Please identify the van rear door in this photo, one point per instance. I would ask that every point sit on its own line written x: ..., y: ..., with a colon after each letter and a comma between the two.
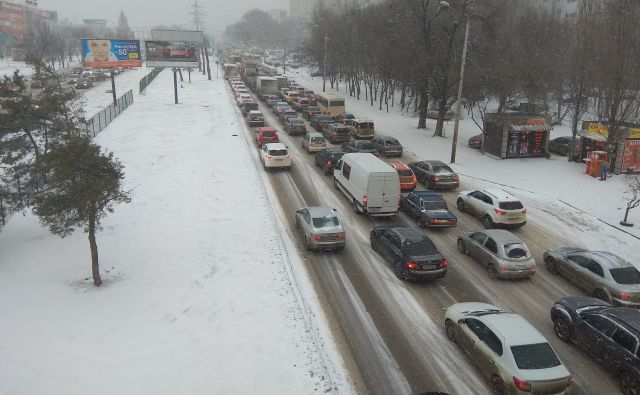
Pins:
x: 391, y: 192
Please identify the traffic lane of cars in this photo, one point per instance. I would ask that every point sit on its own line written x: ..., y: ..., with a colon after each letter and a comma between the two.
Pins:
x: 374, y: 283
x: 540, y: 318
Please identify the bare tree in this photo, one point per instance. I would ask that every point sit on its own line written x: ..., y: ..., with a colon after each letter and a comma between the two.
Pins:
x: 122, y: 28
x: 633, y: 198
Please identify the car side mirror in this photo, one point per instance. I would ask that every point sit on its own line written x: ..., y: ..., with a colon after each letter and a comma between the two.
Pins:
x: 334, y: 210
x: 462, y: 321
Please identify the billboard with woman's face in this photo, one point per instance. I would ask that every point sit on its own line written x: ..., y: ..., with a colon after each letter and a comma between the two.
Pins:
x: 102, y: 53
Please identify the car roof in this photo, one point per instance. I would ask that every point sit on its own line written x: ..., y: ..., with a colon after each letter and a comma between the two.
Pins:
x: 409, y: 233
x: 500, y: 194
x: 255, y: 112
x: 514, y: 329
x: 384, y: 137
x: 436, y: 163
x: 399, y: 165
x: 334, y: 150
x: 626, y: 315
x: 609, y: 260
x: 317, y: 211
x: 428, y: 195
x: 362, y: 120
x: 271, y: 146
x: 315, y: 134
x: 264, y: 128
x: 501, y: 235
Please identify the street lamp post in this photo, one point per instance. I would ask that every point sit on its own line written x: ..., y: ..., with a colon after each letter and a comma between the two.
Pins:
x: 454, y: 143
x: 324, y: 66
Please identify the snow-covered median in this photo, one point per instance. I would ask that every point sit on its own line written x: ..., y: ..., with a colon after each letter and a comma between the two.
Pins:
x: 197, y: 299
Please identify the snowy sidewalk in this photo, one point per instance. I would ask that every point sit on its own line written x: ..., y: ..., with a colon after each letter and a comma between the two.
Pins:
x: 197, y: 296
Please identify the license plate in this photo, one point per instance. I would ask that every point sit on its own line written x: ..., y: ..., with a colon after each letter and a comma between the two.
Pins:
x: 429, y: 267
x: 374, y: 208
x: 278, y: 159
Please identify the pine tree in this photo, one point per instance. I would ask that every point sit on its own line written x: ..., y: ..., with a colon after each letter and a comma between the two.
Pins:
x: 83, y: 185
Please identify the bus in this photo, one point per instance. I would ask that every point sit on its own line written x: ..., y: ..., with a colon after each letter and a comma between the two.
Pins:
x: 230, y: 70
x: 330, y: 103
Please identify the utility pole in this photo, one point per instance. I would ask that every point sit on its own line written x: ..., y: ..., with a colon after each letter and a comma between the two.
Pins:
x: 454, y: 143
x: 324, y: 66
x: 197, y: 20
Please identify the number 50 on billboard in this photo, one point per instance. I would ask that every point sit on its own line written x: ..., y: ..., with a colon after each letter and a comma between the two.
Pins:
x: 99, y: 53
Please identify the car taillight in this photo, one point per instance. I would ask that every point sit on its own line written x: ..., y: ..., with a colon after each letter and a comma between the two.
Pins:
x: 570, y: 380
x: 521, y: 384
x: 533, y: 266
x: 333, y: 134
x: 436, y: 179
x: 444, y: 263
x: 503, y: 268
x: 432, y: 221
x: 268, y: 156
x: 365, y: 201
x: 329, y: 163
x: 456, y: 178
x: 341, y: 236
x: 316, y: 237
x: 624, y: 296
x: 376, y: 153
x: 412, y: 265
x: 524, y: 211
x: 499, y: 212
x: 399, y: 196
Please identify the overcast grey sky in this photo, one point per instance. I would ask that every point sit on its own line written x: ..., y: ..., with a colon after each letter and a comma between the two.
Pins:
x: 149, y: 13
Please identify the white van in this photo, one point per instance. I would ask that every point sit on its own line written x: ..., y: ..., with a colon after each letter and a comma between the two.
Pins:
x: 369, y: 182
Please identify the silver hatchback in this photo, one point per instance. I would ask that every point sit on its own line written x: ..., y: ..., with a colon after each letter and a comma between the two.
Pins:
x: 504, y: 255
x: 320, y: 228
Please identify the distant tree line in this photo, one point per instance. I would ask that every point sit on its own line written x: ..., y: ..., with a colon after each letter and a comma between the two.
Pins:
x: 516, y: 52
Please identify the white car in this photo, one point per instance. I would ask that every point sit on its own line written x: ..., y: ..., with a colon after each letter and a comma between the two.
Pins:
x: 512, y: 355
x: 243, y: 99
x: 493, y: 207
x: 275, y: 155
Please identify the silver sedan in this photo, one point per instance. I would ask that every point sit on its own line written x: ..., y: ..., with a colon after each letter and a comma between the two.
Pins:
x: 504, y: 255
x: 320, y: 228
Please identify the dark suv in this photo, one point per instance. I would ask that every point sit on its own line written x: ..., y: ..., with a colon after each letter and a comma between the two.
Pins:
x: 609, y: 334
x: 336, y: 133
x: 388, y: 146
x: 327, y: 158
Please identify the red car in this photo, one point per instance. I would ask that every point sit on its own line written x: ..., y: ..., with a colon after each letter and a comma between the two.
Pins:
x: 266, y: 135
x: 408, y: 181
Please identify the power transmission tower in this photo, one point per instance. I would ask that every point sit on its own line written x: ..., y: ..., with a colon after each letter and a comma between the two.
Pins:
x: 197, y: 15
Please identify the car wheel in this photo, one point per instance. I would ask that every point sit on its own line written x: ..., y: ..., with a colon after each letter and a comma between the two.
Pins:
x: 421, y: 223
x: 461, y: 246
x: 450, y: 330
x: 487, y: 222
x: 493, y: 271
x: 397, y: 270
x: 461, y: 205
x: 629, y: 384
x: 335, y: 183
x: 326, y: 170
x: 374, y: 245
x: 600, y: 294
x: 306, y: 243
x: 550, y: 263
x: 562, y: 328
x: 497, y: 386
x: 355, y: 207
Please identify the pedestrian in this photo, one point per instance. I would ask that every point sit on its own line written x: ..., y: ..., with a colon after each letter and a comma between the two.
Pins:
x: 604, y: 168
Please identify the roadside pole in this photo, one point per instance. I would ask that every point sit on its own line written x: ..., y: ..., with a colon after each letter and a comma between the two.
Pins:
x: 175, y: 84
x: 206, y: 57
x: 189, y: 71
x: 113, y: 89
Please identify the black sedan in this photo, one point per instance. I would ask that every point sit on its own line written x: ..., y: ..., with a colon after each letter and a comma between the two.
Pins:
x: 608, y: 334
x: 429, y: 209
x: 362, y: 146
x: 411, y: 253
x: 327, y: 158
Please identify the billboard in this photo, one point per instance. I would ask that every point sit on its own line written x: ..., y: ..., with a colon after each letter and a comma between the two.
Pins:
x: 172, y: 54
x: 102, y: 53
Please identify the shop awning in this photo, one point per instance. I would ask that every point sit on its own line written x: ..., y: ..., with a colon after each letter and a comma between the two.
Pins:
x: 534, y: 128
x: 592, y: 136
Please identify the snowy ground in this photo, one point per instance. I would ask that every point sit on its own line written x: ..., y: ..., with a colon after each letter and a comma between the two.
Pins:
x: 561, y: 187
x: 198, y: 297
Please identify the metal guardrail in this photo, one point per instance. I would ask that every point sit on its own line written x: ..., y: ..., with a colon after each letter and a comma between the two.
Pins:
x: 100, y: 121
x: 146, y: 80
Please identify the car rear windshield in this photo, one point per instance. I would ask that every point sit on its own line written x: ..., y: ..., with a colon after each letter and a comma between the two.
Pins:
x: 312, y: 109
x: 515, y: 205
x: 391, y: 142
x: 364, y: 125
x: 418, y: 248
x: 344, y: 130
x: 405, y: 173
x: 268, y: 134
x: 434, y: 205
x: 442, y: 169
x: 324, y: 118
x: 535, y: 356
x: 366, y: 145
x: 336, y: 155
x: 325, y: 222
x: 251, y: 106
x: 515, y: 250
x: 317, y: 140
x: 296, y: 121
x: 278, y: 152
x: 625, y: 275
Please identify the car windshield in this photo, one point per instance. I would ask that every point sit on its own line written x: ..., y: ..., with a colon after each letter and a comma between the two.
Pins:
x: 278, y: 152
x: 418, y: 248
x: 296, y: 121
x: 442, y: 169
x: 516, y: 205
x: 625, y: 275
x: 405, y: 173
x: 323, y: 222
x: 535, y: 356
x: 434, y: 205
x: 515, y: 250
